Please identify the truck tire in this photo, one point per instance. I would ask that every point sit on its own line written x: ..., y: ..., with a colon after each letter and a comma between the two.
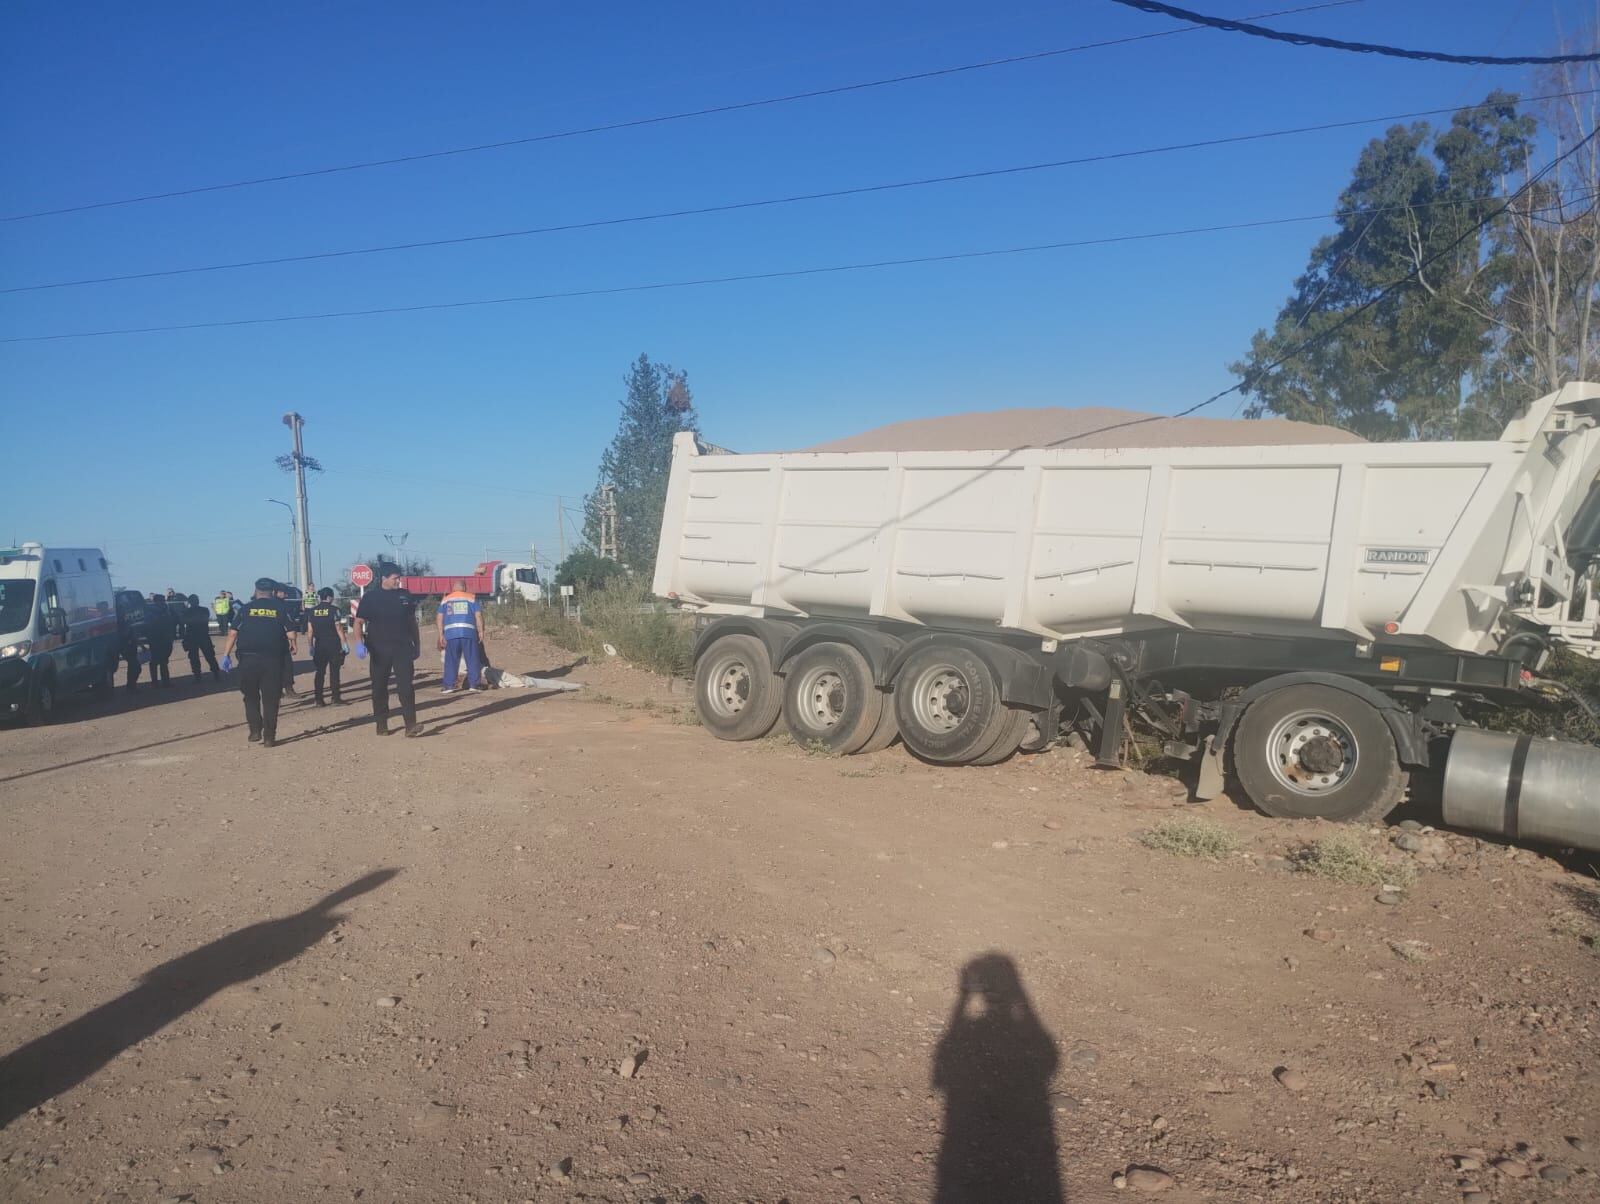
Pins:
x: 1010, y: 738
x: 888, y: 731
x: 829, y: 698
x: 736, y: 693
x: 41, y: 705
x: 1315, y: 752
x: 947, y: 703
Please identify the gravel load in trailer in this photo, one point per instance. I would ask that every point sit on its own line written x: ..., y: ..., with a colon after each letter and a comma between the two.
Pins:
x: 1319, y: 617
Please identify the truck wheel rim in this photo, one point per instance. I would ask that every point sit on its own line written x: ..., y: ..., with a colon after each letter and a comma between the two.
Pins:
x: 730, y: 686
x: 1311, y: 753
x: 822, y: 697
x: 939, y: 698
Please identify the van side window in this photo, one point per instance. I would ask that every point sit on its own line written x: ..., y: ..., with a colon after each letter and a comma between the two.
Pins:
x: 48, y: 599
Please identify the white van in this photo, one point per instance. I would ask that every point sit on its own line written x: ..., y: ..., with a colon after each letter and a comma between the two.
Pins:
x: 58, y: 627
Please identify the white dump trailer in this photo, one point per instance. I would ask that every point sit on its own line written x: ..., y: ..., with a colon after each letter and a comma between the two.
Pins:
x: 1320, y: 618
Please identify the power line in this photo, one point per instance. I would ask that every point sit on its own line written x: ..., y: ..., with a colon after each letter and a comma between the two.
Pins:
x: 701, y: 282
x: 1306, y: 39
x: 635, y: 123
x: 1321, y: 336
x: 771, y: 202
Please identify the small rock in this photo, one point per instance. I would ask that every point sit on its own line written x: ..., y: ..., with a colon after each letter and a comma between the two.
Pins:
x: 1323, y: 935
x: 638, y: 1178
x: 1554, y: 1174
x: 1148, y: 1179
x: 1408, y: 842
x: 1292, y: 962
x: 1578, y: 1144
x: 1389, y: 896
x: 823, y: 956
x: 1410, y: 825
x: 561, y: 1171
x: 1159, y: 1124
x: 1000, y: 844
x: 387, y: 1001
x: 1466, y: 1163
x: 1053, y: 824
x: 629, y: 1066
x: 1214, y: 1087
x: 1119, y: 1181
x: 1512, y: 1168
x: 430, y: 827
x: 1277, y: 865
x: 1440, y: 1089
x: 1290, y: 1078
x: 1084, y: 1056
x: 1474, y: 1196
x: 837, y: 1172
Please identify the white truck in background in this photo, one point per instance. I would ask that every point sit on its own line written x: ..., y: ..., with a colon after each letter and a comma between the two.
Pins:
x: 1321, y: 620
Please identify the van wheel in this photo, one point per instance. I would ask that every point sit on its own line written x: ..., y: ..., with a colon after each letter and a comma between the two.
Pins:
x: 947, y: 702
x: 736, y: 693
x: 1314, y: 752
x: 829, y: 698
x: 41, y: 705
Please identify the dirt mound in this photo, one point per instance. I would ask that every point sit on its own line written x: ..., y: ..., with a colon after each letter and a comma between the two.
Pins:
x: 1093, y: 426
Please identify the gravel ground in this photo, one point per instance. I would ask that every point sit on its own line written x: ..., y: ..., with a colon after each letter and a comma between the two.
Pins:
x: 569, y: 947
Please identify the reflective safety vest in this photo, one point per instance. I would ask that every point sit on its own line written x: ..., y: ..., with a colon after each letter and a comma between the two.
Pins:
x: 222, y: 605
x: 458, y: 611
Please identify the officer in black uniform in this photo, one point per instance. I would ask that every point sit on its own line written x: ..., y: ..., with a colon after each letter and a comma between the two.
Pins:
x: 162, y: 630
x: 386, y: 623
x: 327, y: 643
x: 197, y: 639
x: 262, y: 640
x: 293, y: 624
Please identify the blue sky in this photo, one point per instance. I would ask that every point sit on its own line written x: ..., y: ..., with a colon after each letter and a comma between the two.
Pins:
x: 462, y: 427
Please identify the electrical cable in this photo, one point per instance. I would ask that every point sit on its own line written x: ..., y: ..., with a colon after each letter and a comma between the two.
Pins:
x: 704, y: 281
x: 771, y: 202
x: 635, y: 123
x: 1306, y: 39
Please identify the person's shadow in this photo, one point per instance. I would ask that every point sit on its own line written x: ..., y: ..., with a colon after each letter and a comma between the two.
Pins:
x: 994, y: 1065
x: 65, y: 1057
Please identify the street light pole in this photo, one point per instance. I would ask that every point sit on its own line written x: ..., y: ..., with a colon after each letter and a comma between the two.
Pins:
x: 294, y: 533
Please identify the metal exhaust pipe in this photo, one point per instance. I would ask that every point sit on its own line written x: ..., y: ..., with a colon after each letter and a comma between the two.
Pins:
x: 1524, y: 788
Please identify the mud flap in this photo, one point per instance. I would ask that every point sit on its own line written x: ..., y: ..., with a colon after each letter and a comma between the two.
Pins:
x: 1210, y: 783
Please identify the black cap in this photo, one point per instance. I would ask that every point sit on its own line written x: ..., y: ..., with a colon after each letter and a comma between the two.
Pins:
x: 266, y: 584
x: 325, y: 593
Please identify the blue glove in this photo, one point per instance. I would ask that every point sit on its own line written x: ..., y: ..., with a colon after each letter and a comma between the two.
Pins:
x: 361, y: 651
x: 227, y: 664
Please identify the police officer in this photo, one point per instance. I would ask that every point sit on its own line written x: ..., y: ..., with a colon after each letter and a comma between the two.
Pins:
x: 130, y: 632
x: 162, y: 630
x: 262, y: 641
x: 387, y: 621
x: 197, y: 639
x: 327, y: 643
x: 293, y: 625
x: 222, y: 607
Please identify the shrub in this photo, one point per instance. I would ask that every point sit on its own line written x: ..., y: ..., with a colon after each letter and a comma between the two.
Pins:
x: 617, y: 614
x: 1191, y: 836
x: 1347, y: 859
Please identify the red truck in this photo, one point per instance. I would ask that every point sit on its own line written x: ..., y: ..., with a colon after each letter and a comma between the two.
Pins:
x: 487, y: 580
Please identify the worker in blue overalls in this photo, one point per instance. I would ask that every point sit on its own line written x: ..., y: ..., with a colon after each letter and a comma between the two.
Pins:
x: 460, y: 623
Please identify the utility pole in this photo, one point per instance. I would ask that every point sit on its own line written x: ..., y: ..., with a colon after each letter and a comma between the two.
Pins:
x: 561, y: 527
x: 608, y: 522
x: 294, y: 422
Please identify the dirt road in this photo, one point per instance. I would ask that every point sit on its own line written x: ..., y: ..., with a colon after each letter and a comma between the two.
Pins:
x: 568, y: 947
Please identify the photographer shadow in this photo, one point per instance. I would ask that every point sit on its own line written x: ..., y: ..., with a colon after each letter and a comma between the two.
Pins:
x: 994, y: 1065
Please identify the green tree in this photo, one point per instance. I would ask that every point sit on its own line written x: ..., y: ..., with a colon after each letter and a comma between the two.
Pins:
x: 1404, y: 366
x: 657, y: 406
x: 588, y: 570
